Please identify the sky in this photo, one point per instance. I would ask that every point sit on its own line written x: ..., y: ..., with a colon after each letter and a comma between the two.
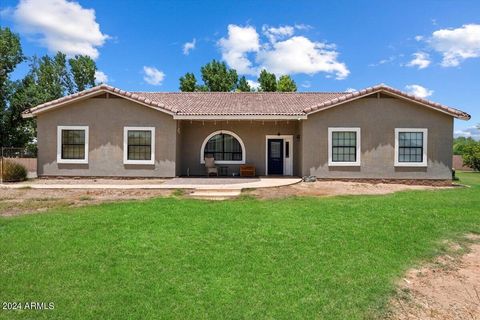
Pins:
x: 428, y: 48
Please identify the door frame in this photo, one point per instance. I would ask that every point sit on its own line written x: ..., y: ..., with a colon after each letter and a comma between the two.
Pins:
x: 287, y: 162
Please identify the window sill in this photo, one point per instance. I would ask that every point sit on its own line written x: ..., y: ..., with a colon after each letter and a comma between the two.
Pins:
x: 139, y: 162
x: 344, y: 164
x: 72, y: 161
x: 226, y: 162
x: 411, y: 164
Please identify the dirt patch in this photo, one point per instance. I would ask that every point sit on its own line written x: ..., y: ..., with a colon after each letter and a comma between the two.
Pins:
x: 334, y: 188
x: 28, y: 200
x: 448, y: 288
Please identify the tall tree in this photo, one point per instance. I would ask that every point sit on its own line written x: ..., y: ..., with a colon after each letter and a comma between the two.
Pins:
x: 83, y: 70
x: 243, y: 85
x: 268, y: 81
x: 286, y: 84
x: 10, y: 56
x: 188, y: 83
x: 218, y: 78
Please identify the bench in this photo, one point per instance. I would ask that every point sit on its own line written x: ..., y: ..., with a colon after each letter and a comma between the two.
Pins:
x: 247, y: 170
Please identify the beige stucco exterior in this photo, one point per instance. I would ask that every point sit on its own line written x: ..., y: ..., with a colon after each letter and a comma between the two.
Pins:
x: 377, y: 119
x: 252, y: 133
x: 106, y: 119
x: 178, y: 142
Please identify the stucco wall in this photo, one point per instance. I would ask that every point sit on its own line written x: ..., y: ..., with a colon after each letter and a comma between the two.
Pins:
x: 378, y: 118
x: 106, y: 119
x: 252, y: 134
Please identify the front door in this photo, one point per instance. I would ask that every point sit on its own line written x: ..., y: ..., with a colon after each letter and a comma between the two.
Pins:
x: 275, y: 156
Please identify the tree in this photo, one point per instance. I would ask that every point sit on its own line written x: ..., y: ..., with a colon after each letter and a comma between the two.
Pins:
x: 286, y: 84
x: 471, y: 156
x: 188, y: 83
x: 460, y: 144
x: 243, y: 85
x: 10, y: 56
x: 268, y: 81
x: 83, y: 70
x: 218, y: 78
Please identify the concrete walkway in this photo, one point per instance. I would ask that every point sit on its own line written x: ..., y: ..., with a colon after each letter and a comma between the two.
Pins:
x: 212, y: 184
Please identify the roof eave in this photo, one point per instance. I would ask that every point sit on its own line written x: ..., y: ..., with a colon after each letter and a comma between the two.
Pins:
x: 239, y: 117
x: 385, y: 89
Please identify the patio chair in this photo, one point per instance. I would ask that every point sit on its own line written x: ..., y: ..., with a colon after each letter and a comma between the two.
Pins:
x: 210, y: 166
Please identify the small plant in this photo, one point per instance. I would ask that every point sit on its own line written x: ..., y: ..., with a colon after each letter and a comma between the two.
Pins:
x: 178, y: 193
x: 13, y: 172
x: 85, y: 198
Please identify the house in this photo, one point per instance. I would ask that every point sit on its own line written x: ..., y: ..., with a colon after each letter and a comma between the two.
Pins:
x: 375, y: 133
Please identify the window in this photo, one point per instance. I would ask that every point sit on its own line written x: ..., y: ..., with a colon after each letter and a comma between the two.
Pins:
x: 343, y: 146
x: 72, y: 144
x: 410, y: 147
x: 225, y: 147
x: 139, y: 145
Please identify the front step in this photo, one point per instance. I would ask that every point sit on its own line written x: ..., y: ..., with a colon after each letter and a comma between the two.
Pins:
x: 214, y: 194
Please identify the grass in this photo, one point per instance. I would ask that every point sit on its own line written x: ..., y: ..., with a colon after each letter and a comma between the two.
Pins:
x: 172, y: 258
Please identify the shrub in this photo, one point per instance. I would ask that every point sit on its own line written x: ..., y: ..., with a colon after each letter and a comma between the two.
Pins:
x: 13, y: 171
x: 471, y: 156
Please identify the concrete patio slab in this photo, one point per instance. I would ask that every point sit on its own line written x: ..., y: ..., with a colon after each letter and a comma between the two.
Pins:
x: 175, y: 183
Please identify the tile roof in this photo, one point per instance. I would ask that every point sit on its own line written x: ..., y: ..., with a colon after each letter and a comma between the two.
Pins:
x: 197, y: 104
x: 240, y: 103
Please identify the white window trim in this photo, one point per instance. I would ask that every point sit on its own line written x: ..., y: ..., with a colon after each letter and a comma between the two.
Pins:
x: 125, y: 145
x: 59, y: 144
x: 204, y: 144
x: 332, y: 163
x: 425, y: 142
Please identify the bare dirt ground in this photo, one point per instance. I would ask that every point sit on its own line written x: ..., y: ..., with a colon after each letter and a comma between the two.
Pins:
x: 334, y: 188
x: 447, y: 288
x: 27, y: 200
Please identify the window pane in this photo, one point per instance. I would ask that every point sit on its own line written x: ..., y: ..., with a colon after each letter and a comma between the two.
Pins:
x: 344, y: 145
x: 139, y: 145
x: 73, y: 144
x: 410, y: 146
x: 223, y: 147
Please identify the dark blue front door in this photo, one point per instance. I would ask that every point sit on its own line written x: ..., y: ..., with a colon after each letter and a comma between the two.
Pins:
x: 275, y: 156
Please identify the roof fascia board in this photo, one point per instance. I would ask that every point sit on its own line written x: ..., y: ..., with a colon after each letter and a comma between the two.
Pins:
x: 89, y: 95
x: 393, y: 94
x: 239, y: 117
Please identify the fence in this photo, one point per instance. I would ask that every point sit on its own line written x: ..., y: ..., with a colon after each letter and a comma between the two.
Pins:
x: 23, y: 156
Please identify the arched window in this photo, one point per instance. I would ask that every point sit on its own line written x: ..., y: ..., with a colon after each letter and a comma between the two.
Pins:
x: 225, y: 147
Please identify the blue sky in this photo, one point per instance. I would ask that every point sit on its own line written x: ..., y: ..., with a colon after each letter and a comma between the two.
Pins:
x: 431, y: 48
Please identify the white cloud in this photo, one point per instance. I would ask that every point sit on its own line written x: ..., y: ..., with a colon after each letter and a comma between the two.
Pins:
x: 100, y: 77
x: 472, y: 132
x: 456, y: 45
x: 306, y: 84
x: 153, y: 76
x: 418, y: 90
x: 383, y: 61
x: 420, y: 60
x: 253, y: 84
x: 299, y: 54
x: 275, y: 33
x: 60, y: 25
x: 293, y: 54
x: 418, y: 38
x: 240, y: 41
x: 188, y: 46
x: 350, y: 90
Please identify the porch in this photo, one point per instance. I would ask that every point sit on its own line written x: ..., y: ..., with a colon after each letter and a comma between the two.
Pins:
x: 271, y: 146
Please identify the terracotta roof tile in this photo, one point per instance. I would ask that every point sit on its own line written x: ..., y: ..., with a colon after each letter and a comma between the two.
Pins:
x: 245, y: 104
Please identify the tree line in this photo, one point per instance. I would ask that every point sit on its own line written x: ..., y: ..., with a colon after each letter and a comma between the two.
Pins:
x: 217, y: 77
x: 48, y: 78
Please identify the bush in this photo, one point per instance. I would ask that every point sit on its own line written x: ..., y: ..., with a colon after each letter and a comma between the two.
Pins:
x: 13, y: 171
x: 471, y: 156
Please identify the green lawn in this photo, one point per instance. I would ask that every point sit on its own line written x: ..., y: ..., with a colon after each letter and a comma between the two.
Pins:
x: 330, y: 258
